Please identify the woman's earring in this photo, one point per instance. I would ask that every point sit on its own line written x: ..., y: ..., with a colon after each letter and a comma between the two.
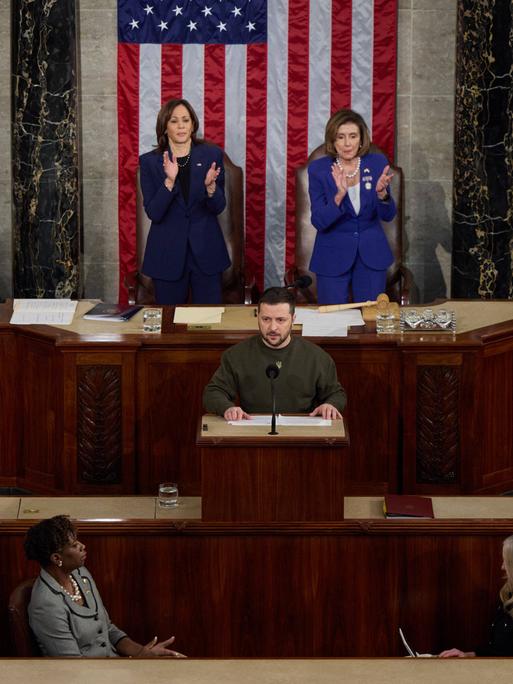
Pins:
x: 59, y: 563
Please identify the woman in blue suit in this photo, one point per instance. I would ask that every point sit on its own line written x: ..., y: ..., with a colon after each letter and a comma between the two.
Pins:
x: 182, y: 182
x: 350, y: 196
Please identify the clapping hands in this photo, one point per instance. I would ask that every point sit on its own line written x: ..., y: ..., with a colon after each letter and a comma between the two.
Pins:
x: 170, y: 166
x: 211, y: 177
x: 384, y: 182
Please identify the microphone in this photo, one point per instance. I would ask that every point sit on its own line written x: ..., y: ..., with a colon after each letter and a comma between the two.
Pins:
x: 301, y: 283
x: 272, y: 371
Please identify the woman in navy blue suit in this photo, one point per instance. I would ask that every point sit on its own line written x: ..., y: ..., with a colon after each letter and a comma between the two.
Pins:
x: 350, y: 196
x: 182, y: 182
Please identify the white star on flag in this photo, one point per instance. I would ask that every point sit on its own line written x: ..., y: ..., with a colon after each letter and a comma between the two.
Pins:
x: 177, y: 10
x: 192, y: 26
x: 236, y: 12
x: 206, y: 11
x: 148, y: 9
x: 134, y: 24
x: 221, y: 26
x: 250, y: 26
x: 162, y: 25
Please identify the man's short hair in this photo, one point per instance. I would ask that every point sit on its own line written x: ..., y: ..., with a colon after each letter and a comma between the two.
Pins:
x: 278, y: 295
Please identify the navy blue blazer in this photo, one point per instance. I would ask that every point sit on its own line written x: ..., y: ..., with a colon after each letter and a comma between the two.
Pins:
x: 341, y: 234
x: 175, y: 223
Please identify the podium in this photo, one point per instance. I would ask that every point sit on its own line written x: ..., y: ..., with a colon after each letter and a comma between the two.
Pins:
x: 248, y: 475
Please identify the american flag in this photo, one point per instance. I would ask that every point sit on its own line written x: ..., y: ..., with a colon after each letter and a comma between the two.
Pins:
x: 263, y: 76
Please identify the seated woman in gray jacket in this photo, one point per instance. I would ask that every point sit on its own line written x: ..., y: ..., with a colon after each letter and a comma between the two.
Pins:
x: 66, y: 612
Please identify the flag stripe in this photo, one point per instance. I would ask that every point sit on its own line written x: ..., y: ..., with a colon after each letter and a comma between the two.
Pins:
x: 341, y: 45
x: 297, y: 115
x: 149, y: 94
x: 214, y: 93
x: 255, y: 158
x: 276, y: 152
x: 235, y: 104
x: 385, y: 75
x: 362, y: 59
x: 319, y: 100
x: 171, y: 72
x: 128, y: 143
x: 193, y: 80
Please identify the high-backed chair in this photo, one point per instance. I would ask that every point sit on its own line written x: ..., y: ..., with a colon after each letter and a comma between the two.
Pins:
x: 399, y: 278
x: 23, y: 639
x: 236, y: 288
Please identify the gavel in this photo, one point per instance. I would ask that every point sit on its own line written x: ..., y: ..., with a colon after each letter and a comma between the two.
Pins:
x: 382, y: 301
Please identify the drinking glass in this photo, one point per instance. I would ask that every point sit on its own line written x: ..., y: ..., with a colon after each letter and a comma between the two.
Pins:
x: 168, y: 494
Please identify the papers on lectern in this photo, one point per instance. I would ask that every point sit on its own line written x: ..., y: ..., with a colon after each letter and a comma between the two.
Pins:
x: 295, y: 421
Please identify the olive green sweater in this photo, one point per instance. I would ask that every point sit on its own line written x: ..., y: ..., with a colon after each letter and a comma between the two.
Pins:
x: 307, y: 378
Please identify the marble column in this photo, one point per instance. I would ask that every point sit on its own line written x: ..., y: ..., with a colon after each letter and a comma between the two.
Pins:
x: 483, y: 177
x: 45, y: 152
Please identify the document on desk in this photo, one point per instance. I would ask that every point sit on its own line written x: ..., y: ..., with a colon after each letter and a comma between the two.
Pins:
x: 43, y: 311
x: 291, y: 421
x: 334, y: 324
x: 198, y: 315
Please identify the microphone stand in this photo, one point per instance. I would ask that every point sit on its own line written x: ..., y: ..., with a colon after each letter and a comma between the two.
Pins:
x: 273, y: 417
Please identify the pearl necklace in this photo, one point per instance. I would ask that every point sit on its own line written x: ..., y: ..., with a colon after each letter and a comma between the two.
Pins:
x: 353, y: 173
x: 182, y: 166
x: 76, y: 596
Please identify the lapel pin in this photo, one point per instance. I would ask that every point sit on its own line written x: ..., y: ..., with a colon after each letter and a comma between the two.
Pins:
x: 198, y: 163
x: 366, y: 170
x: 368, y: 186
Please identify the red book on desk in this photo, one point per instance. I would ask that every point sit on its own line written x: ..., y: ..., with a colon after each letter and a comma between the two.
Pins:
x: 407, y: 506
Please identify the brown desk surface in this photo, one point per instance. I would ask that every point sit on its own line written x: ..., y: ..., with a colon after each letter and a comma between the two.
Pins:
x: 470, y: 315
x: 111, y: 509
x: 246, y: 671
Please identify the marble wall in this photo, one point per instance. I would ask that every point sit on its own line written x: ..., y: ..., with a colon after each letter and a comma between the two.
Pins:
x: 483, y: 151
x: 5, y: 152
x: 45, y: 154
x: 426, y: 48
x: 425, y: 125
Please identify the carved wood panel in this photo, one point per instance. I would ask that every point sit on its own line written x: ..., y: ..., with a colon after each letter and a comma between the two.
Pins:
x: 99, y: 444
x: 438, y: 429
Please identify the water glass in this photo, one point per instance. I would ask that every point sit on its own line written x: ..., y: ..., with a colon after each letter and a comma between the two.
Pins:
x: 168, y: 494
x: 152, y: 320
x: 385, y: 321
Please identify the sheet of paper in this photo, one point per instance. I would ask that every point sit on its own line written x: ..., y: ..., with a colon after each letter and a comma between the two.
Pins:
x: 296, y: 421
x: 334, y: 324
x: 43, y: 311
x: 198, y: 314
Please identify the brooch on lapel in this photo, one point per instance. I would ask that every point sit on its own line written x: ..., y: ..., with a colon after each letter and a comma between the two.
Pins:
x: 367, y: 180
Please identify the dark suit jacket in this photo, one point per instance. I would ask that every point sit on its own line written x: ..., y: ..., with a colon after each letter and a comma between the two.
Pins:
x: 176, y: 224
x: 341, y: 234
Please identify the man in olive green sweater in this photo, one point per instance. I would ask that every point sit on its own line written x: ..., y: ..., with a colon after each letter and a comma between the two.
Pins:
x: 307, y: 380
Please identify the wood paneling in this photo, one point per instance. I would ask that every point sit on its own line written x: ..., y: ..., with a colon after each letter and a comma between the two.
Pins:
x: 9, y: 409
x: 118, y: 413
x: 296, y: 590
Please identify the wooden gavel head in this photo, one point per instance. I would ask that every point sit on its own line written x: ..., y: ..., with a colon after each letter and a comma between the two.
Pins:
x: 382, y: 301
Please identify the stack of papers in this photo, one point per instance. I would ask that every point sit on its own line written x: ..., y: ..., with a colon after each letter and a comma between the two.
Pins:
x: 43, y: 311
x: 334, y: 324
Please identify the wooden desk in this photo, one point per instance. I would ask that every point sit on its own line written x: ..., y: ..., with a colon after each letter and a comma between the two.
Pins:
x: 83, y: 411
x: 286, y: 589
